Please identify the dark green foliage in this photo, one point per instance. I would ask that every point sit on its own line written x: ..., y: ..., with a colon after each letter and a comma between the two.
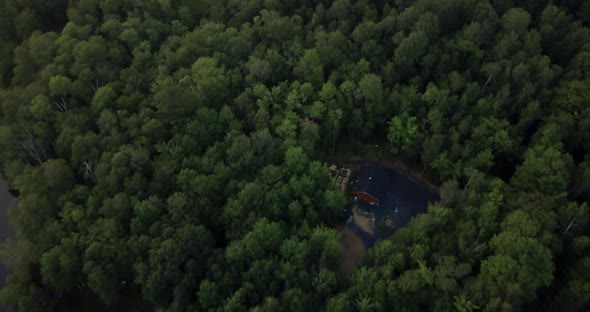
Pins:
x: 179, y: 148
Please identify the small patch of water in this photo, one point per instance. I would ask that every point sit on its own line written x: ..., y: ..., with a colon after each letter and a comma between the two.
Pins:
x: 399, y: 197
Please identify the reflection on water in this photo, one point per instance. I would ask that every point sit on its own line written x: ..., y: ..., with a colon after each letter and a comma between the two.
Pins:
x: 6, y: 229
x: 387, y: 200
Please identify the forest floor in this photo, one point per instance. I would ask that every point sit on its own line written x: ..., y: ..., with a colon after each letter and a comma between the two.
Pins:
x: 352, y: 248
x: 363, y: 221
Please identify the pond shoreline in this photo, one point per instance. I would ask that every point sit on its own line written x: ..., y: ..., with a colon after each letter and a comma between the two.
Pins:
x: 355, y: 239
x: 396, y: 165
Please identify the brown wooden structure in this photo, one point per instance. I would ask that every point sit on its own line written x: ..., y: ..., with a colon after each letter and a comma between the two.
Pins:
x: 366, y: 197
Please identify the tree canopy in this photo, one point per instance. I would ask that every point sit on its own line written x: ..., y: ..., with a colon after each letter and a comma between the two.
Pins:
x: 180, y: 149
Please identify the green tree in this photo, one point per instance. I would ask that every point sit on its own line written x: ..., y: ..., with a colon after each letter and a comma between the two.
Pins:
x: 334, y: 125
x: 545, y: 169
x: 177, y: 149
x: 403, y: 135
x: 371, y: 92
x: 172, y: 262
x: 411, y: 48
x: 309, y: 68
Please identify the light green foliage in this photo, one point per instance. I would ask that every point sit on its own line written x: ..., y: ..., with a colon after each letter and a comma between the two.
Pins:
x: 403, y: 135
x: 104, y: 98
x: 521, y: 264
x: 371, y: 90
x: 545, y: 169
x: 59, y: 85
x: 339, y: 303
x: 309, y: 68
x: 40, y: 107
x: 325, y: 282
x: 209, y: 82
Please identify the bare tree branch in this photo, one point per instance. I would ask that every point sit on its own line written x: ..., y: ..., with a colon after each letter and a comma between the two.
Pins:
x: 29, y: 145
x: 488, y: 81
x: 572, y: 224
x: 89, y: 171
x: 467, y: 184
x: 62, y: 106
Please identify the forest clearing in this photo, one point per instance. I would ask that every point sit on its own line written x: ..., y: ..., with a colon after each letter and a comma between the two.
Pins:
x: 353, y: 249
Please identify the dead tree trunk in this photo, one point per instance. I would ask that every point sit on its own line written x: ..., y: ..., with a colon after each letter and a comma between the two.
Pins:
x: 89, y: 170
x: 467, y: 184
x: 488, y: 81
x: 32, y: 149
x: 63, y: 106
x: 572, y: 224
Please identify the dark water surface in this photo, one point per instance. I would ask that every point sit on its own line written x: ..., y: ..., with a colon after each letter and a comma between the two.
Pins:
x: 400, y: 198
x: 6, y: 229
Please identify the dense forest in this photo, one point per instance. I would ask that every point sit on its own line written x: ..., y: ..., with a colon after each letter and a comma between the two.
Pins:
x: 180, y: 149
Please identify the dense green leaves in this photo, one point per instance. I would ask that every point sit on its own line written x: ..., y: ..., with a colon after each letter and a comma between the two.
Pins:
x: 403, y: 135
x: 544, y: 170
x: 179, y: 150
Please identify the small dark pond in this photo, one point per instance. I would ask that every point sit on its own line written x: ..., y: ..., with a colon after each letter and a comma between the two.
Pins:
x: 399, y: 199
